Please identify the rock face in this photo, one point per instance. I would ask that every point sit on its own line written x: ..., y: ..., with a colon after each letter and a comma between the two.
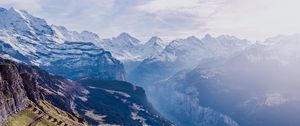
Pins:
x: 20, y: 83
x: 57, y: 50
x: 12, y: 93
x: 117, y: 102
x: 31, y: 87
x: 98, y: 101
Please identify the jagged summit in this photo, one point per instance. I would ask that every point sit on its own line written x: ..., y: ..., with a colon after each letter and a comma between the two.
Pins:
x: 124, y: 39
x: 62, y: 34
x: 23, y: 23
x: 155, y: 41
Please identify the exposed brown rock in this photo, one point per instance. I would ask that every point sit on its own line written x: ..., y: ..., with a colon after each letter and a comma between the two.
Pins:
x: 12, y: 93
x: 31, y: 87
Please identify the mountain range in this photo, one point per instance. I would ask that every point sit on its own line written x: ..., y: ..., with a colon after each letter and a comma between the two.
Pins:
x: 48, y: 71
x: 52, y: 76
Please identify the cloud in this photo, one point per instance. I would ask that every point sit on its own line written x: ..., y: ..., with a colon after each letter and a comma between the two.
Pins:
x: 252, y: 19
x: 30, y: 5
x: 181, y: 17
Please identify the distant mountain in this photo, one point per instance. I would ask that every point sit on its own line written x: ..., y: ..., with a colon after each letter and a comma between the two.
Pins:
x: 124, y: 47
x: 63, y: 34
x: 129, y: 49
x: 186, y: 53
x: 257, y: 86
x: 33, y: 41
x: 153, y: 46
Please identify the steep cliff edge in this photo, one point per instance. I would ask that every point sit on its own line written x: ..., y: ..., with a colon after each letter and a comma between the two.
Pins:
x: 12, y: 93
x: 26, y: 97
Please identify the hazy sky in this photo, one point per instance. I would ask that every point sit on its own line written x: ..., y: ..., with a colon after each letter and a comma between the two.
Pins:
x: 169, y: 19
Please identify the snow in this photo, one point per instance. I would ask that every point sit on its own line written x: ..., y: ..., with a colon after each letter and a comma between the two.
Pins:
x: 195, y: 50
x: 135, y: 116
x: 63, y: 34
x: 274, y: 99
x: 6, y: 56
x: 92, y: 115
x: 83, y: 98
x: 118, y: 92
x: 23, y: 35
x: 137, y: 107
x: 112, y: 91
x: 129, y: 49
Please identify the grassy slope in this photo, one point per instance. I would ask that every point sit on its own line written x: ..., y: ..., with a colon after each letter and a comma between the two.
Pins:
x: 51, y: 116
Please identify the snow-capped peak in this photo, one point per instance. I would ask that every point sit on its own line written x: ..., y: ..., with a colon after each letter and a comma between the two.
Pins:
x: 64, y: 34
x: 155, y: 41
x: 208, y: 37
x: 89, y: 36
x: 192, y: 38
x: 125, y: 38
x: 23, y: 23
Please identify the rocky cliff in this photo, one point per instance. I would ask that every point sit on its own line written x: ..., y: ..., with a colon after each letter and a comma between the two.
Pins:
x: 12, y: 92
x: 94, y: 100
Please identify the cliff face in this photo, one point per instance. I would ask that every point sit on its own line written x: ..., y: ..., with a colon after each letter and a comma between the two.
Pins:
x: 12, y: 93
x: 118, y: 103
x: 20, y: 83
x: 31, y: 87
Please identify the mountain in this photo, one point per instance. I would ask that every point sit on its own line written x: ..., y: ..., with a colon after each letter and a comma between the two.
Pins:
x: 257, y: 86
x: 31, y: 95
x: 117, y: 102
x: 131, y: 51
x: 182, y: 101
x: 124, y: 47
x: 63, y: 34
x: 184, y: 54
x: 153, y: 46
x: 33, y: 41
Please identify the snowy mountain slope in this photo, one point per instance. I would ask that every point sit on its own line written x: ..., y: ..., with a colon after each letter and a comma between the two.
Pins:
x: 129, y: 49
x: 124, y: 47
x: 23, y: 23
x: 63, y: 34
x: 153, y: 46
x: 33, y: 41
x: 186, y: 53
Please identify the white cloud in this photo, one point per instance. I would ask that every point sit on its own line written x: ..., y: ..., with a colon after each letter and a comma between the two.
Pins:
x: 252, y: 19
x: 256, y: 19
x: 30, y: 5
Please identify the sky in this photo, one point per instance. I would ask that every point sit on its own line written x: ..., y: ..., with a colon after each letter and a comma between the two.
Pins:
x: 169, y: 19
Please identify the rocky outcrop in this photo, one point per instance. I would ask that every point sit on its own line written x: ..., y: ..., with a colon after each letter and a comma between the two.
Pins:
x: 31, y: 87
x: 12, y: 93
x: 20, y: 83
